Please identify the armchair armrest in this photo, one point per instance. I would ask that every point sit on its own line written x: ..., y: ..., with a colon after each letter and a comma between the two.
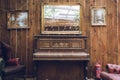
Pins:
x: 113, y: 68
x: 113, y: 72
x: 110, y: 68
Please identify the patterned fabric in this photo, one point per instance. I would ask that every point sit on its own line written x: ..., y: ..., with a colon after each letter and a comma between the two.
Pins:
x: 113, y: 68
x: 113, y: 72
x: 12, y: 62
x: 110, y: 76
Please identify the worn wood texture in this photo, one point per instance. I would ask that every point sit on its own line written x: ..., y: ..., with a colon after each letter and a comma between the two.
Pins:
x: 118, y: 31
x: 54, y: 70
x: 103, y: 40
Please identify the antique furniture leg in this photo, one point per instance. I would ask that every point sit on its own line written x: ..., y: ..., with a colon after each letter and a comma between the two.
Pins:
x: 85, y: 70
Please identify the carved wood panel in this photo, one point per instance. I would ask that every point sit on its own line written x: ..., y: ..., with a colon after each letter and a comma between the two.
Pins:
x: 60, y: 44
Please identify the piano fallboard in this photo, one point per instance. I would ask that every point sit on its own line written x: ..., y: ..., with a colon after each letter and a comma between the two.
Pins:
x: 61, y: 56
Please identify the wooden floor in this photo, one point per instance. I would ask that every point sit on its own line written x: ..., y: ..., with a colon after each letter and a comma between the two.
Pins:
x: 26, y: 79
x: 35, y: 79
x: 30, y: 79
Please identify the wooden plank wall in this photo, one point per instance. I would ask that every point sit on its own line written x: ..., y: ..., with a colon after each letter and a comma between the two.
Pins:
x: 103, y: 40
x: 118, y: 22
x: 3, y: 29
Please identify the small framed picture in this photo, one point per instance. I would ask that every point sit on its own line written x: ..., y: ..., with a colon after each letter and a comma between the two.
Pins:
x: 17, y: 19
x: 98, y: 16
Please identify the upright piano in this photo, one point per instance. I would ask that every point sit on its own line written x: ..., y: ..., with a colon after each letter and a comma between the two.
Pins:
x: 61, y: 57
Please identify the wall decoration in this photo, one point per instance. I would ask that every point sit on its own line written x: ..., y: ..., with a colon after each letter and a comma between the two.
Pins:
x: 61, y: 19
x: 98, y: 16
x: 17, y: 19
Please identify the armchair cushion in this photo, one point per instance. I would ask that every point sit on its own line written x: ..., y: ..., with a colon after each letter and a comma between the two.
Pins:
x: 113, y: 68
x: 13, y: 69
x: 117, y: 69
x: 9, y: 67
x: 112, y: 73
x: 110, y: 68
x: 110, y: 76
x: 12, y: 62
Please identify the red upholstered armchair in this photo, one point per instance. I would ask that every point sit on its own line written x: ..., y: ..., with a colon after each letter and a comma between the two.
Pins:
x: 112, y: 72
x: 9, y: 67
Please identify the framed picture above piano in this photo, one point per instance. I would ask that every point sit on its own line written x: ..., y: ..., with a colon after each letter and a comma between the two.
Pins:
x: 61, y: 19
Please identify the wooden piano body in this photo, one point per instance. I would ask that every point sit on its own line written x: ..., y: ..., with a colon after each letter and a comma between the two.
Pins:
x: 56, y: 53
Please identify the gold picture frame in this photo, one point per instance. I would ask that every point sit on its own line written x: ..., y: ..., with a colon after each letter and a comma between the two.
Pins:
x: 17, y: 20
x: 57, y: 20
x: 98, y: 16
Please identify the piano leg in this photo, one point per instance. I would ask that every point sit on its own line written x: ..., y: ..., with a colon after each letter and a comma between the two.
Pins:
x: 85, y: 70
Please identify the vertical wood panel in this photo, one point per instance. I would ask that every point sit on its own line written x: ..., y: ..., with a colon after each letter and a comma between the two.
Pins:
x: 118, y: 16
x: 104, y: 40
x: 30, y: 33
x: 111, y: 30
x: 23, y: 46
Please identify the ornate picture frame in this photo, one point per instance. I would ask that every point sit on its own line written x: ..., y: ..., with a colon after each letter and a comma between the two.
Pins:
x: 61, y: 19
x: 17, y: 19
x: 98, y: 16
